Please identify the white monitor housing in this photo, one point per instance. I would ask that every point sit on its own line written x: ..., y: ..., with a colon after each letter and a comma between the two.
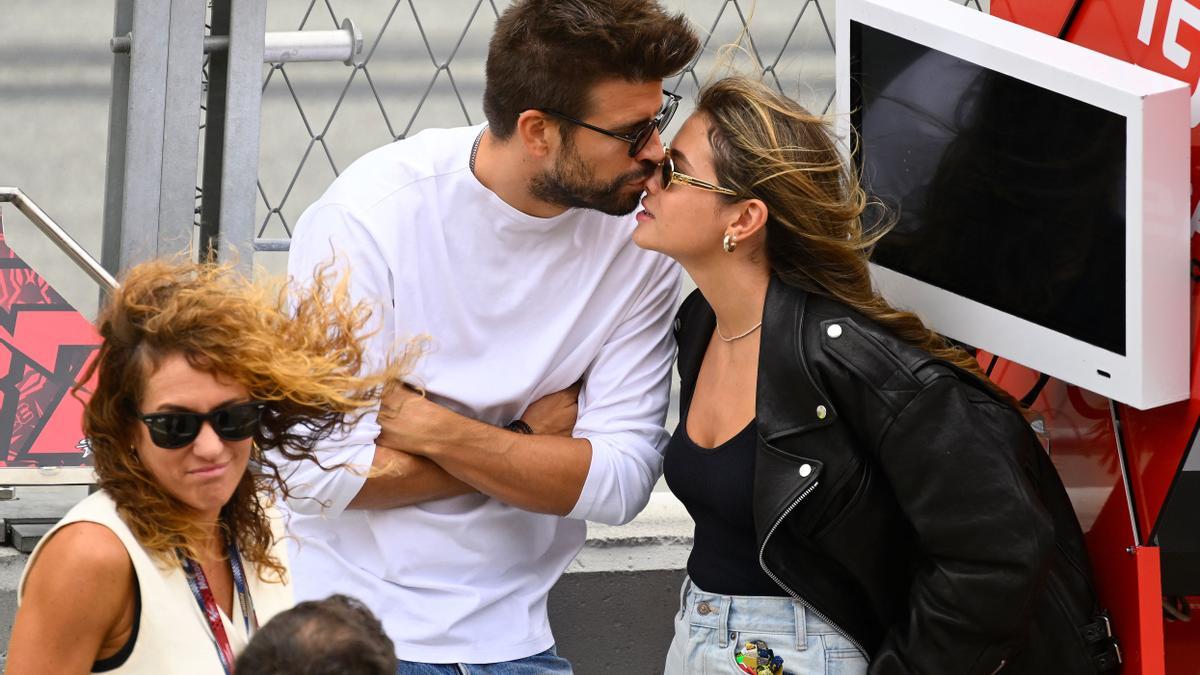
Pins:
x: 1039, y: 192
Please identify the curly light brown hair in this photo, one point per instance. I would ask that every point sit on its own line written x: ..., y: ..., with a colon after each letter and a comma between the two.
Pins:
x: 298, y: 350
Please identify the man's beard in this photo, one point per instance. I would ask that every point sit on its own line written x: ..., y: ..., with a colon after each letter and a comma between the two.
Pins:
x: 568, y: 183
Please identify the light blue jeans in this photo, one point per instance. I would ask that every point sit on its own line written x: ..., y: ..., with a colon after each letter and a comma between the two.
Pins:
x: 709, y: 630
x: 547, y: 662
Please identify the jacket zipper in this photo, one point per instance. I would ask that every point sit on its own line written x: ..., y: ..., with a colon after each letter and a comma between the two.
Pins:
x: 808, y: 607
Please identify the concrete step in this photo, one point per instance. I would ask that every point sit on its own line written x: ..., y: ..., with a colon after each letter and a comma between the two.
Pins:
x: 25, y: 535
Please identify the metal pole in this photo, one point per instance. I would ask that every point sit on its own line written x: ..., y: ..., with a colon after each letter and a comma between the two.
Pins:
x: 214, y: 136
x: 285, y: 46
x: 114, y: 180
x: 154, y: 131
x: 181, y: 128
x: 59, y: 236
x: 145, y: 125
x: 314, y: 45
x: 243, y: 111
x: 283, y: 245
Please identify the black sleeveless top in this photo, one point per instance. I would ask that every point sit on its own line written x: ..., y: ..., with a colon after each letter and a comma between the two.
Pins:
x: 716, y: 485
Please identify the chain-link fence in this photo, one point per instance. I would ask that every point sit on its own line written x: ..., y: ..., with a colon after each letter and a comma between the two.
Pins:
x: 423, y: 66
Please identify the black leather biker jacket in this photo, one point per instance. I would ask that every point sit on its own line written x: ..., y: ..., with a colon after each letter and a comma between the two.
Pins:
x: 902, y: 501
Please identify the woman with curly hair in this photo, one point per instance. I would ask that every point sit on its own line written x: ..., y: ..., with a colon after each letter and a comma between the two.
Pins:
x: 177, y: 559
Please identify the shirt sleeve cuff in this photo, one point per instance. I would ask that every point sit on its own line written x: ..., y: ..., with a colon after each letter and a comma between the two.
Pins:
x: 618, y: 483
x: 328, y: 491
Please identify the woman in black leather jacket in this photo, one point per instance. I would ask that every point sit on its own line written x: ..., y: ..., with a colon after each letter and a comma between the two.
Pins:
x: 865, y: 499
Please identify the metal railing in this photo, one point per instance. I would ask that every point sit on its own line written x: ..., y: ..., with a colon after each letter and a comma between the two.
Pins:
x: 58, y: 236
x: 284, y: 47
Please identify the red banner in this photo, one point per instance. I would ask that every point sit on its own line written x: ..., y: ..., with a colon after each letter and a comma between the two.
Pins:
x: 44, y: 345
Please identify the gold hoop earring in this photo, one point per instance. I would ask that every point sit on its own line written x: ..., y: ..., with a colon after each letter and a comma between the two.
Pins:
x: 729, y: 243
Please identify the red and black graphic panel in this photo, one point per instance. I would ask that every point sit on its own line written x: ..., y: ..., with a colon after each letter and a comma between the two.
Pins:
x: 44, y: 345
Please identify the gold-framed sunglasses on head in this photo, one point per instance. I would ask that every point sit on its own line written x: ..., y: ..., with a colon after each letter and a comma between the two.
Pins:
x: 670, y: 175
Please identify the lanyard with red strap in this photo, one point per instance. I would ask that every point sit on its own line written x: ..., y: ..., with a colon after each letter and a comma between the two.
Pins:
x: 208, y: 605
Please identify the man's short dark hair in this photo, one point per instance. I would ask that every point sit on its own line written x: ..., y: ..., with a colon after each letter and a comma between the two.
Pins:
x: 549, y: 54
x: 334, y: 636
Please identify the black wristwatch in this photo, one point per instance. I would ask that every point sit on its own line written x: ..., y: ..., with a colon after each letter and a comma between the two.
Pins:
x: 518, y: 426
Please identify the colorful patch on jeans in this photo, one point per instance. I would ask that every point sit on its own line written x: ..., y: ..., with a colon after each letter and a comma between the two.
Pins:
x: 756, y: 658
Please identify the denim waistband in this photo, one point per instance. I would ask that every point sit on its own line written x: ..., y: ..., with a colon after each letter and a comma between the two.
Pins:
x: 751, y: 614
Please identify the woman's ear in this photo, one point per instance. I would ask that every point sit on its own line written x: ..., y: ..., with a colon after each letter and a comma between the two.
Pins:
x: 536, y: 134
x: 750, y: 218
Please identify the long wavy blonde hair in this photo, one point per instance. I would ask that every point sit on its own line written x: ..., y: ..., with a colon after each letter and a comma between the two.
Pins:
x: 768, y: 146
x: 300, y: 351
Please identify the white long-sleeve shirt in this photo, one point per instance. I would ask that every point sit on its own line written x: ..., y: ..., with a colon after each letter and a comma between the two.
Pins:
x: 516, y: 307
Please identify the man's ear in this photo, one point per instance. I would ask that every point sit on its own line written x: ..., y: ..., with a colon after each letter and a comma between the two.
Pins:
x: 538, y: 134
x: 749, y: 220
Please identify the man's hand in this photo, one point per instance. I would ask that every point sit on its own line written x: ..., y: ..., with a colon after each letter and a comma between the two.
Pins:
x: 539, y: 472
x: 408, y: 421
x: 554, y: 414
x: 399, y: 476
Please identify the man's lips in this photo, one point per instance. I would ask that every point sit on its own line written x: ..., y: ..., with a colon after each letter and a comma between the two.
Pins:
x: 640, y: 179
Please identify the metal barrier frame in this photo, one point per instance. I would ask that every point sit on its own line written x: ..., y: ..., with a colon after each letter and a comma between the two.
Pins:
x: 161, y: 54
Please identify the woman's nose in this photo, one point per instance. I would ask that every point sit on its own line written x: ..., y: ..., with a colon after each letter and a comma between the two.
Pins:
x: 208, y: 444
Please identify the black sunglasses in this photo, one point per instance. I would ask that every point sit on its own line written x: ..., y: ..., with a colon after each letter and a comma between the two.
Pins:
x: 636, y: 140
x: 173, y: 430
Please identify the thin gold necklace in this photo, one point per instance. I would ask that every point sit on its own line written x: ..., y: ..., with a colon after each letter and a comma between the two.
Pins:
x: 738, y: 337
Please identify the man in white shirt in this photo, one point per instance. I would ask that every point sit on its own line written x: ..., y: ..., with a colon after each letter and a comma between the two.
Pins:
x: 508, y: 245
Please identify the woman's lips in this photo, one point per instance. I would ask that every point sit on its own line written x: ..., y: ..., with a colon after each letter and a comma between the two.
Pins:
x: 210, y: 471
x: 645, y: 212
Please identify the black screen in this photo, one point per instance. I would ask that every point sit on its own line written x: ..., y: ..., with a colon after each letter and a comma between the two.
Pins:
x: 997, y: 190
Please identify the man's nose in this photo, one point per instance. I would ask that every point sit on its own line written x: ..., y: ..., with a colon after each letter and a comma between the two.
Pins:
x: 653, y: 150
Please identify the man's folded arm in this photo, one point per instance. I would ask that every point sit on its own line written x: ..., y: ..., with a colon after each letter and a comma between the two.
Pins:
x: 353, y: 472
x: 607, y: 471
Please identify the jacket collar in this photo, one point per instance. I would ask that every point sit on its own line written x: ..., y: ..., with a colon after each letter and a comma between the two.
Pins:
x: 694, y: 330
x: 788, y: 399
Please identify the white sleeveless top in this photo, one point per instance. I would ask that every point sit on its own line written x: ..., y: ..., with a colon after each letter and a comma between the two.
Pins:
x: 172, y: 634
